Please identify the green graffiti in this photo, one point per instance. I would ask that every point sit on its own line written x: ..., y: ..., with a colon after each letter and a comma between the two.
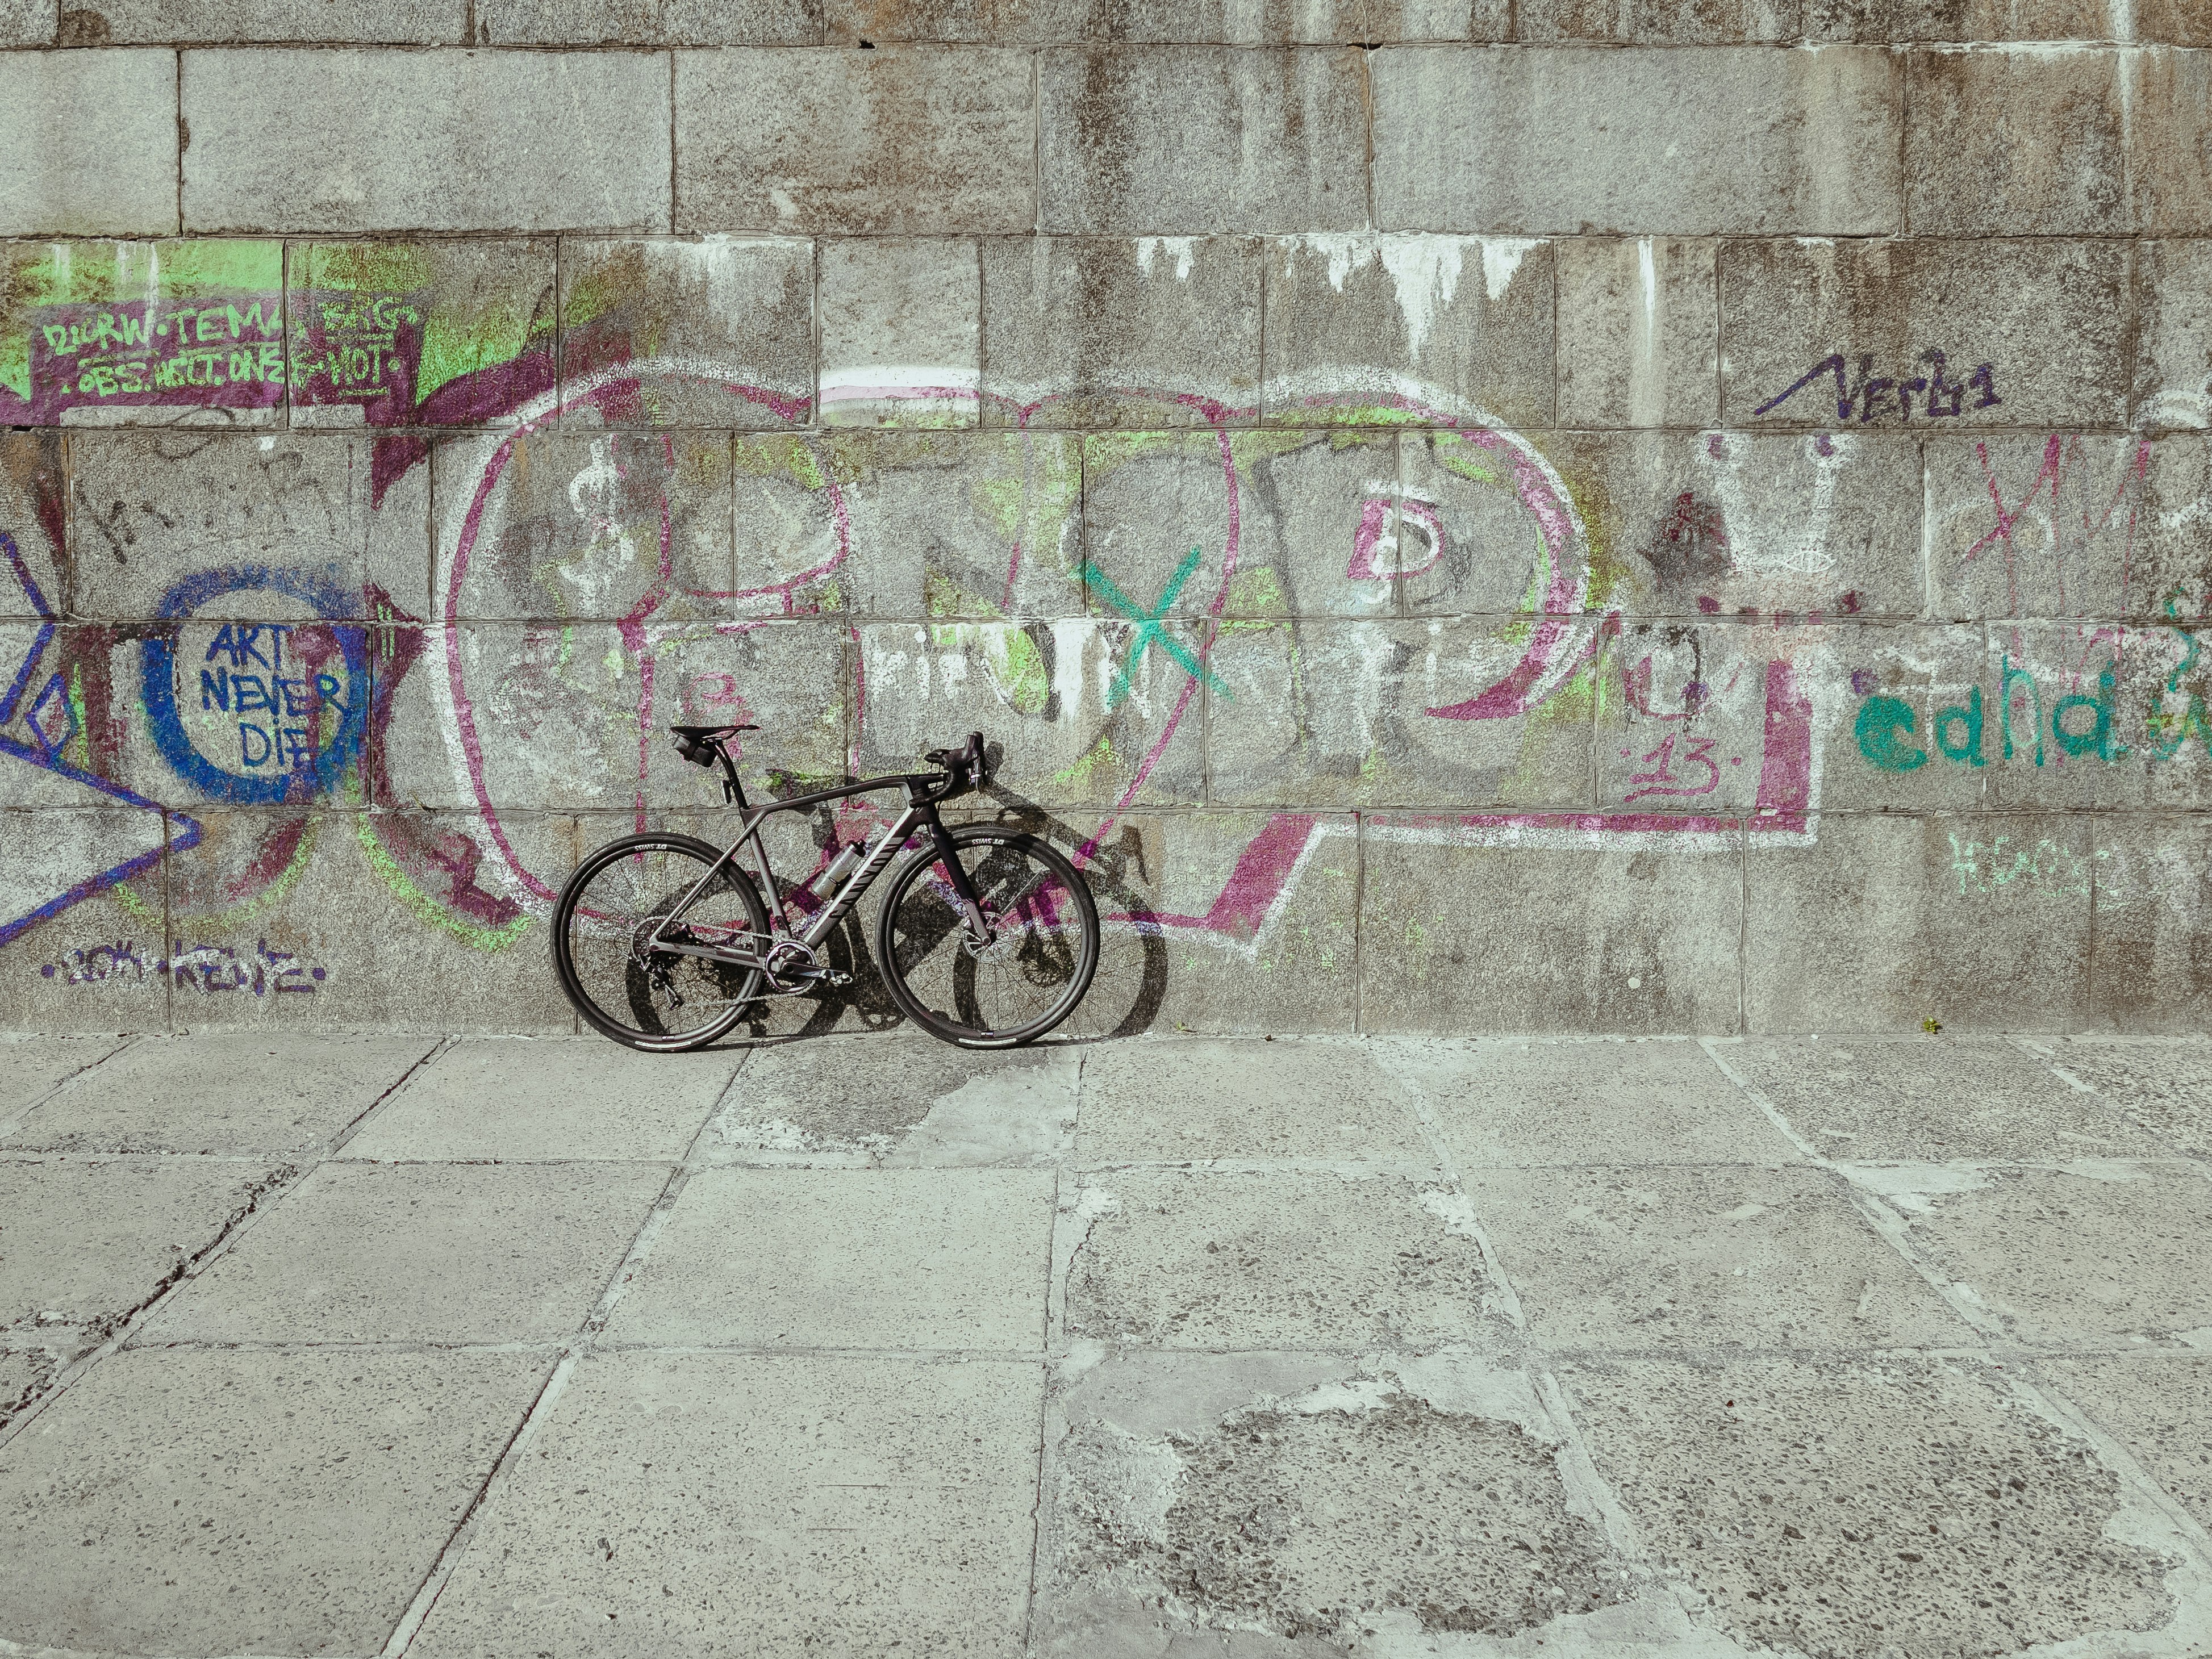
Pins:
x: 2045, y: 868
x: 2007, y: 675
x: 1881, y: 719
x: 2098, y: 739
x: 1970, y: 716
x: 2169, y: 731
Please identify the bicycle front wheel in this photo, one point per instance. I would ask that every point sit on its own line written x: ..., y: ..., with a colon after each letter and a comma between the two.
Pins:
x: 660, y: 1000
x: 1037, y: 965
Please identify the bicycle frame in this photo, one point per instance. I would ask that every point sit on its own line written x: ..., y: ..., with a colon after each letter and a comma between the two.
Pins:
x: 924, y: 790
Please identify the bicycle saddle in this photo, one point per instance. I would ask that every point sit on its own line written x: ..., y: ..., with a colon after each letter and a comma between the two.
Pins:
x: 700, y: 743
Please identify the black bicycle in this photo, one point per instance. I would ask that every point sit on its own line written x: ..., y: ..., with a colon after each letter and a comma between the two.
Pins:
x: 987, y: 937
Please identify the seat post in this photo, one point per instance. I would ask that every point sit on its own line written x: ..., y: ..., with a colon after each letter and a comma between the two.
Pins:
x: 732, y: 791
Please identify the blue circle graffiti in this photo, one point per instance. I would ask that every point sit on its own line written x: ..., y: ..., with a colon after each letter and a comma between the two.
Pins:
x: 245, y: 679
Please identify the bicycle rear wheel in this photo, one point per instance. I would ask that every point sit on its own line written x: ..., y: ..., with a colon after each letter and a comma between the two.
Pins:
x: 658, y: 1000
x: 1028, y: 979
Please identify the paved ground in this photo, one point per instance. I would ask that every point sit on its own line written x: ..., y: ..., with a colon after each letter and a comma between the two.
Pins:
x: 865, y: 1346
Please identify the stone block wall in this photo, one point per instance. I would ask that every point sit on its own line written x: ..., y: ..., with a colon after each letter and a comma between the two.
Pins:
x: 1471, y: 515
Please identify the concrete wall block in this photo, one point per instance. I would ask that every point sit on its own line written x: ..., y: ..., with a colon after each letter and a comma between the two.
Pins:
x: 2036, y: 526
x: 1375, y: 713
x: 259, y: 22
x: 1979, y: 922
x: 2177, y: 22
x: 1902, y: 721
x: 911, y: 140
x: 2170, y: 101
x: 284, y: 526
x: 1144, y: 333
x: 1222, y: 921
x: 2174, y: 335
x: 1478, y: 925
x: 977, y: 22
x: 716, y: 331
x: 251, y: 697
x: 1656, y: 22
x: 586, y: 527
x: 1202, y: 140
x: 1639, y: 333
x: 2147, y: 970
x: 1882, y: 21
x: 647, y: 23
x: 1314, y: 523
x: 1439, y: 20
x: 283, y: 920
x: 471, y: 157
x: 94, y: 965
x: 166, y: 333
x: 68, y: 175
x: 1080, y: 708
x: 901, y: 332
x: 594, y: 734
x: 1003, y: 512
x: 1724, y: 525
x: 33, y: 493
x: 2032, y: 333
x: 419, y: 333
x: 1366, y: 328
x: 1821, y: 125
x: 2013, y: 144
x: 2083, y: 714
x: 27, y: 23
x: 1684, y: 727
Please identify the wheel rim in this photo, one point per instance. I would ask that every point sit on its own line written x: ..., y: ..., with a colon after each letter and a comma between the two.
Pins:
x: 1028, y: 978
x: 657, y: 994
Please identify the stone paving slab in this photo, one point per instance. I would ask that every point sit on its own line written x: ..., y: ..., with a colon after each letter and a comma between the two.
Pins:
x: 1507, y: 1102
x: 1315, y: 1348
x: 1632, y: 1257
x: 848, y: 1258
x: 1248, y: 1099
x: 1906, y: 1506
x: 1267, y: 1259
x: 422, y: 1253
x: 291, y: 1501
x: 32, y: 1067
x: 494, y: 1098
x: 239, y: 1094
x: 717, y: 1503
x: 85, y: 1242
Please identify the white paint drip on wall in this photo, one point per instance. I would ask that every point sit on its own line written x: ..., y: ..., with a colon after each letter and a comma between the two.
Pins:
x: 1501, y: 257
x: 1424, y: 269
x: 1180, y: 248
x: 1424, y: 272
x: 1646, y: 387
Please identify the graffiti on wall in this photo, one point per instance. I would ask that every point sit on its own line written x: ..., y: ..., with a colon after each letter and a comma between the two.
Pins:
x: 1404, y: 604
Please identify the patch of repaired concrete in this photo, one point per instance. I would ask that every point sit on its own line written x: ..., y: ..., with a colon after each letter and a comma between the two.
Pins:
x: 1300, y: 1521
x: 2160, y: 1408
x: 900, y: 1100
x: 1315, y: 1515
x: 1901, y: 1508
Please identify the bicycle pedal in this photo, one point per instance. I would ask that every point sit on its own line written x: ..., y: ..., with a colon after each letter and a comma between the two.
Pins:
x: 834, y: 978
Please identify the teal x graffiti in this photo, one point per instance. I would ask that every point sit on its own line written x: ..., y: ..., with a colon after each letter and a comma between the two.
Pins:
x: 1151, y: 629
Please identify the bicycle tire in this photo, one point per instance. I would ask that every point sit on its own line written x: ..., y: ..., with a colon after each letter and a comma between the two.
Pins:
x: 905, y: 936
x: 735, y: 987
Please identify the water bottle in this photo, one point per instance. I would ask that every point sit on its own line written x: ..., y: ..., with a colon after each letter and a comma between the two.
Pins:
x: 840, y: 866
